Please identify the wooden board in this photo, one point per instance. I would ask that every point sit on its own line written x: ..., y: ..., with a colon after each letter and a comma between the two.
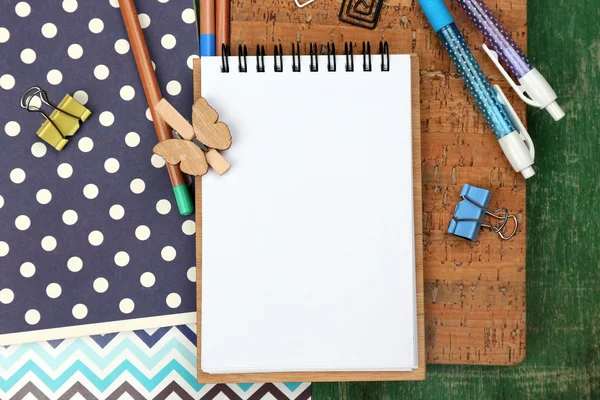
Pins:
x: 474, y: 292
x: 419, y: 373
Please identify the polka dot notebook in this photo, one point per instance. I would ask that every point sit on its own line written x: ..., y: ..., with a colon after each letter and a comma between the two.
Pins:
x: 90, y: 238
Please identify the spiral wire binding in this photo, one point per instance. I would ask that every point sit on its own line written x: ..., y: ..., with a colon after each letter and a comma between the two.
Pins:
x: 384, y: 50
x: 225, y: 53
x: 367, y: 56
x: 331, y: 67
x: 314, y: 56
x: 278, y: 52
x: 260, y: 58
x: 296, y: 58
x: 242, y: 56
x: 349, y: 57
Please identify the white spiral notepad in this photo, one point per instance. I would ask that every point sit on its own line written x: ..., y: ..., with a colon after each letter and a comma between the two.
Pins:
x: 308, y: 253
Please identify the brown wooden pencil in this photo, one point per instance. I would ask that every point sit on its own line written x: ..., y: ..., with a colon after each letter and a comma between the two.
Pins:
x: 207, y: 28
x: 153, y: 96
x: 222, y: 22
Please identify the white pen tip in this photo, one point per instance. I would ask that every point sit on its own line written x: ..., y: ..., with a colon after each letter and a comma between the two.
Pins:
x: 555, y: 111
x: 528, y: 172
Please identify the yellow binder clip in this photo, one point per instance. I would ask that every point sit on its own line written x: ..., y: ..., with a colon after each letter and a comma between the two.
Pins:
x: 64, y: 121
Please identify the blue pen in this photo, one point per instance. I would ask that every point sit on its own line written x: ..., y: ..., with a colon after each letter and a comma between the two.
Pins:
x: 533, y: 89
x: 515, y: 142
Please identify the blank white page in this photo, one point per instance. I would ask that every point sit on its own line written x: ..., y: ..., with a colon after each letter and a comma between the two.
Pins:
x: 308, y: 240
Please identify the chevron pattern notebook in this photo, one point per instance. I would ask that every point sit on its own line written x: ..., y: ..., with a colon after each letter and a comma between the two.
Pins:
x: 145, y: 364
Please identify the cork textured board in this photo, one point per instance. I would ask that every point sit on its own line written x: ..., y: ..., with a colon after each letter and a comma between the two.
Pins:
x: 474, y: 292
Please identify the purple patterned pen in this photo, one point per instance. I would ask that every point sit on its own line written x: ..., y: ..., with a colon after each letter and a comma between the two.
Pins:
x: 533, y: 89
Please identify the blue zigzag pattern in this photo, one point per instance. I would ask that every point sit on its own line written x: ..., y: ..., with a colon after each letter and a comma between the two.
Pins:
x: 102, y: 361
x: 174, y: 343
x: 150, y: 383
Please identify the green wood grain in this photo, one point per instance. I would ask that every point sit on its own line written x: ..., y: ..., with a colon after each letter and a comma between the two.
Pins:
x: 563, y: 232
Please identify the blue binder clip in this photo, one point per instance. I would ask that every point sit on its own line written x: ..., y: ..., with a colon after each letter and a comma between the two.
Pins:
x: 469, y: 215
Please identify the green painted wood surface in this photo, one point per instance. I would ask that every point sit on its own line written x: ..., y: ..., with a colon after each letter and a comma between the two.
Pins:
x: 563, y: 232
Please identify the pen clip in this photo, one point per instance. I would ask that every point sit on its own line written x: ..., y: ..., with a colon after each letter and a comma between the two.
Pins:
x: 514, y: 118
x: 519, y: 89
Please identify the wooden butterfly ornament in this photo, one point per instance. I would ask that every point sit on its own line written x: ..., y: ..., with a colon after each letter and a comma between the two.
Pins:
x: 200, y: 143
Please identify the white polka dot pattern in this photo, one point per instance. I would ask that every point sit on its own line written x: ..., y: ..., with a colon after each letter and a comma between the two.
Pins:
x: 188, y: 227
x: 126, y: 306
x: 6, y: 296
x: 191, y: 274
x: 70, y: 217
x: 144, y: 20
x: 168, y: 41
x: 81, y: 96
x: 85, y: 144
x: 22, y: 222
x: 117, y: 212
x: 32, y: 317
x: 80, y: 311
x: 12, y: 128
x: 101, y: 72
x: 173, y: 300
x: 163, y: 207
x: 43, y: 196
x: 4, y: 35
x: 49, y: 30
x: 96, y: 25
x: 75, y: 51
x: 96, y: 238
x: 122, y: 259
x: 157, y: 161
x: 4, y: 248
x: 7, y: 82
x: 27, y: 269
x: 132, y: 139
x: 91, y: 234
x: 64, y: 170
x: 122, y: 46
x: 75, y: 264
x: 147, y: 279
x: 17, y: 175
x: 100, y: 285
x: 54, y: 77
x: 23, y: 9
x: 188, y: 16
x: 53, y: 290
x: 127, y: 93
x: 90, y: 191
x: 70, y: 5
x: 173, y: 88
x: 38, y: 149
x: 107, y: 118
x: 28, y: 56
x: 49, y: 243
